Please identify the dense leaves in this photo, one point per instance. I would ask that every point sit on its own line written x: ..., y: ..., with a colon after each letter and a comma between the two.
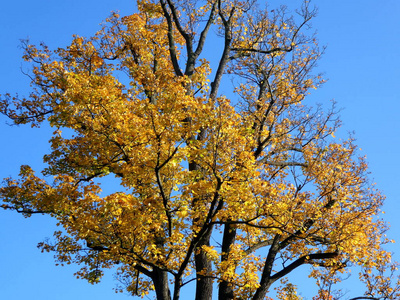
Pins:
x: 224, y: 175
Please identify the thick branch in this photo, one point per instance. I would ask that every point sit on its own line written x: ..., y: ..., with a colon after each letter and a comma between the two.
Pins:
x: 178, y: 25
x: 203, y: 34
x: 258, y: 246
x: 171, y: 40
x: 266, y: 281
x: 225, y: 54
x: 302, y: 260
x: 26, y: 211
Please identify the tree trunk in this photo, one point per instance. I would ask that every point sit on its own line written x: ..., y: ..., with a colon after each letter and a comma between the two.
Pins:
x: 225, y: 288
x: 266, y: 281
x: 160, y: 281
x: 204, y: 283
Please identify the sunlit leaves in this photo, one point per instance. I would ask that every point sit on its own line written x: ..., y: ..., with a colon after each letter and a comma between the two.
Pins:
x: 240, y: 186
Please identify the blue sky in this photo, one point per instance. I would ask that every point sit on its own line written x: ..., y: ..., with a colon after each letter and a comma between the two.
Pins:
x: 361, y: 63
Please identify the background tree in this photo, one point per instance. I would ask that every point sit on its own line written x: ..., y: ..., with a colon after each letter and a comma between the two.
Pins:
x: 236, y: 188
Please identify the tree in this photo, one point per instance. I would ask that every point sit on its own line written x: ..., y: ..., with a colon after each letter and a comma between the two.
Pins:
x: 226, y: 177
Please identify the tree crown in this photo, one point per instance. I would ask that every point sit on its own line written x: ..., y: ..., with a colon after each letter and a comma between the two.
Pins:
x: 225, y: 174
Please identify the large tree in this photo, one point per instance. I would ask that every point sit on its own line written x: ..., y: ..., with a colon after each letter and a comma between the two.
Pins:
x: 226, y: 179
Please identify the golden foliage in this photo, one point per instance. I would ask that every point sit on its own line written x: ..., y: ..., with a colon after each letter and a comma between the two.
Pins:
x: 255, y: 170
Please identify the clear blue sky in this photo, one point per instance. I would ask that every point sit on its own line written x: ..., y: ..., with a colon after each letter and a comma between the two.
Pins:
x: 362, y: 63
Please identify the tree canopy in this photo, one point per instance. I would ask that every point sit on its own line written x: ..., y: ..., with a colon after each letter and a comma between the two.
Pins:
x: 227, y: 179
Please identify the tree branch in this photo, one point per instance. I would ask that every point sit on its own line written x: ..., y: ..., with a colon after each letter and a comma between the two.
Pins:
x: 258, y: 246
x: 171, y: 40
x: 302, y: 260
x: 203, y: 34
x: 283, y: 163
x: 266, y: 281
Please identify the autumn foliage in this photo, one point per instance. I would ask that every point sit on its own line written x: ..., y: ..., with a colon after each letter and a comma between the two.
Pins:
x: 226, y: 180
